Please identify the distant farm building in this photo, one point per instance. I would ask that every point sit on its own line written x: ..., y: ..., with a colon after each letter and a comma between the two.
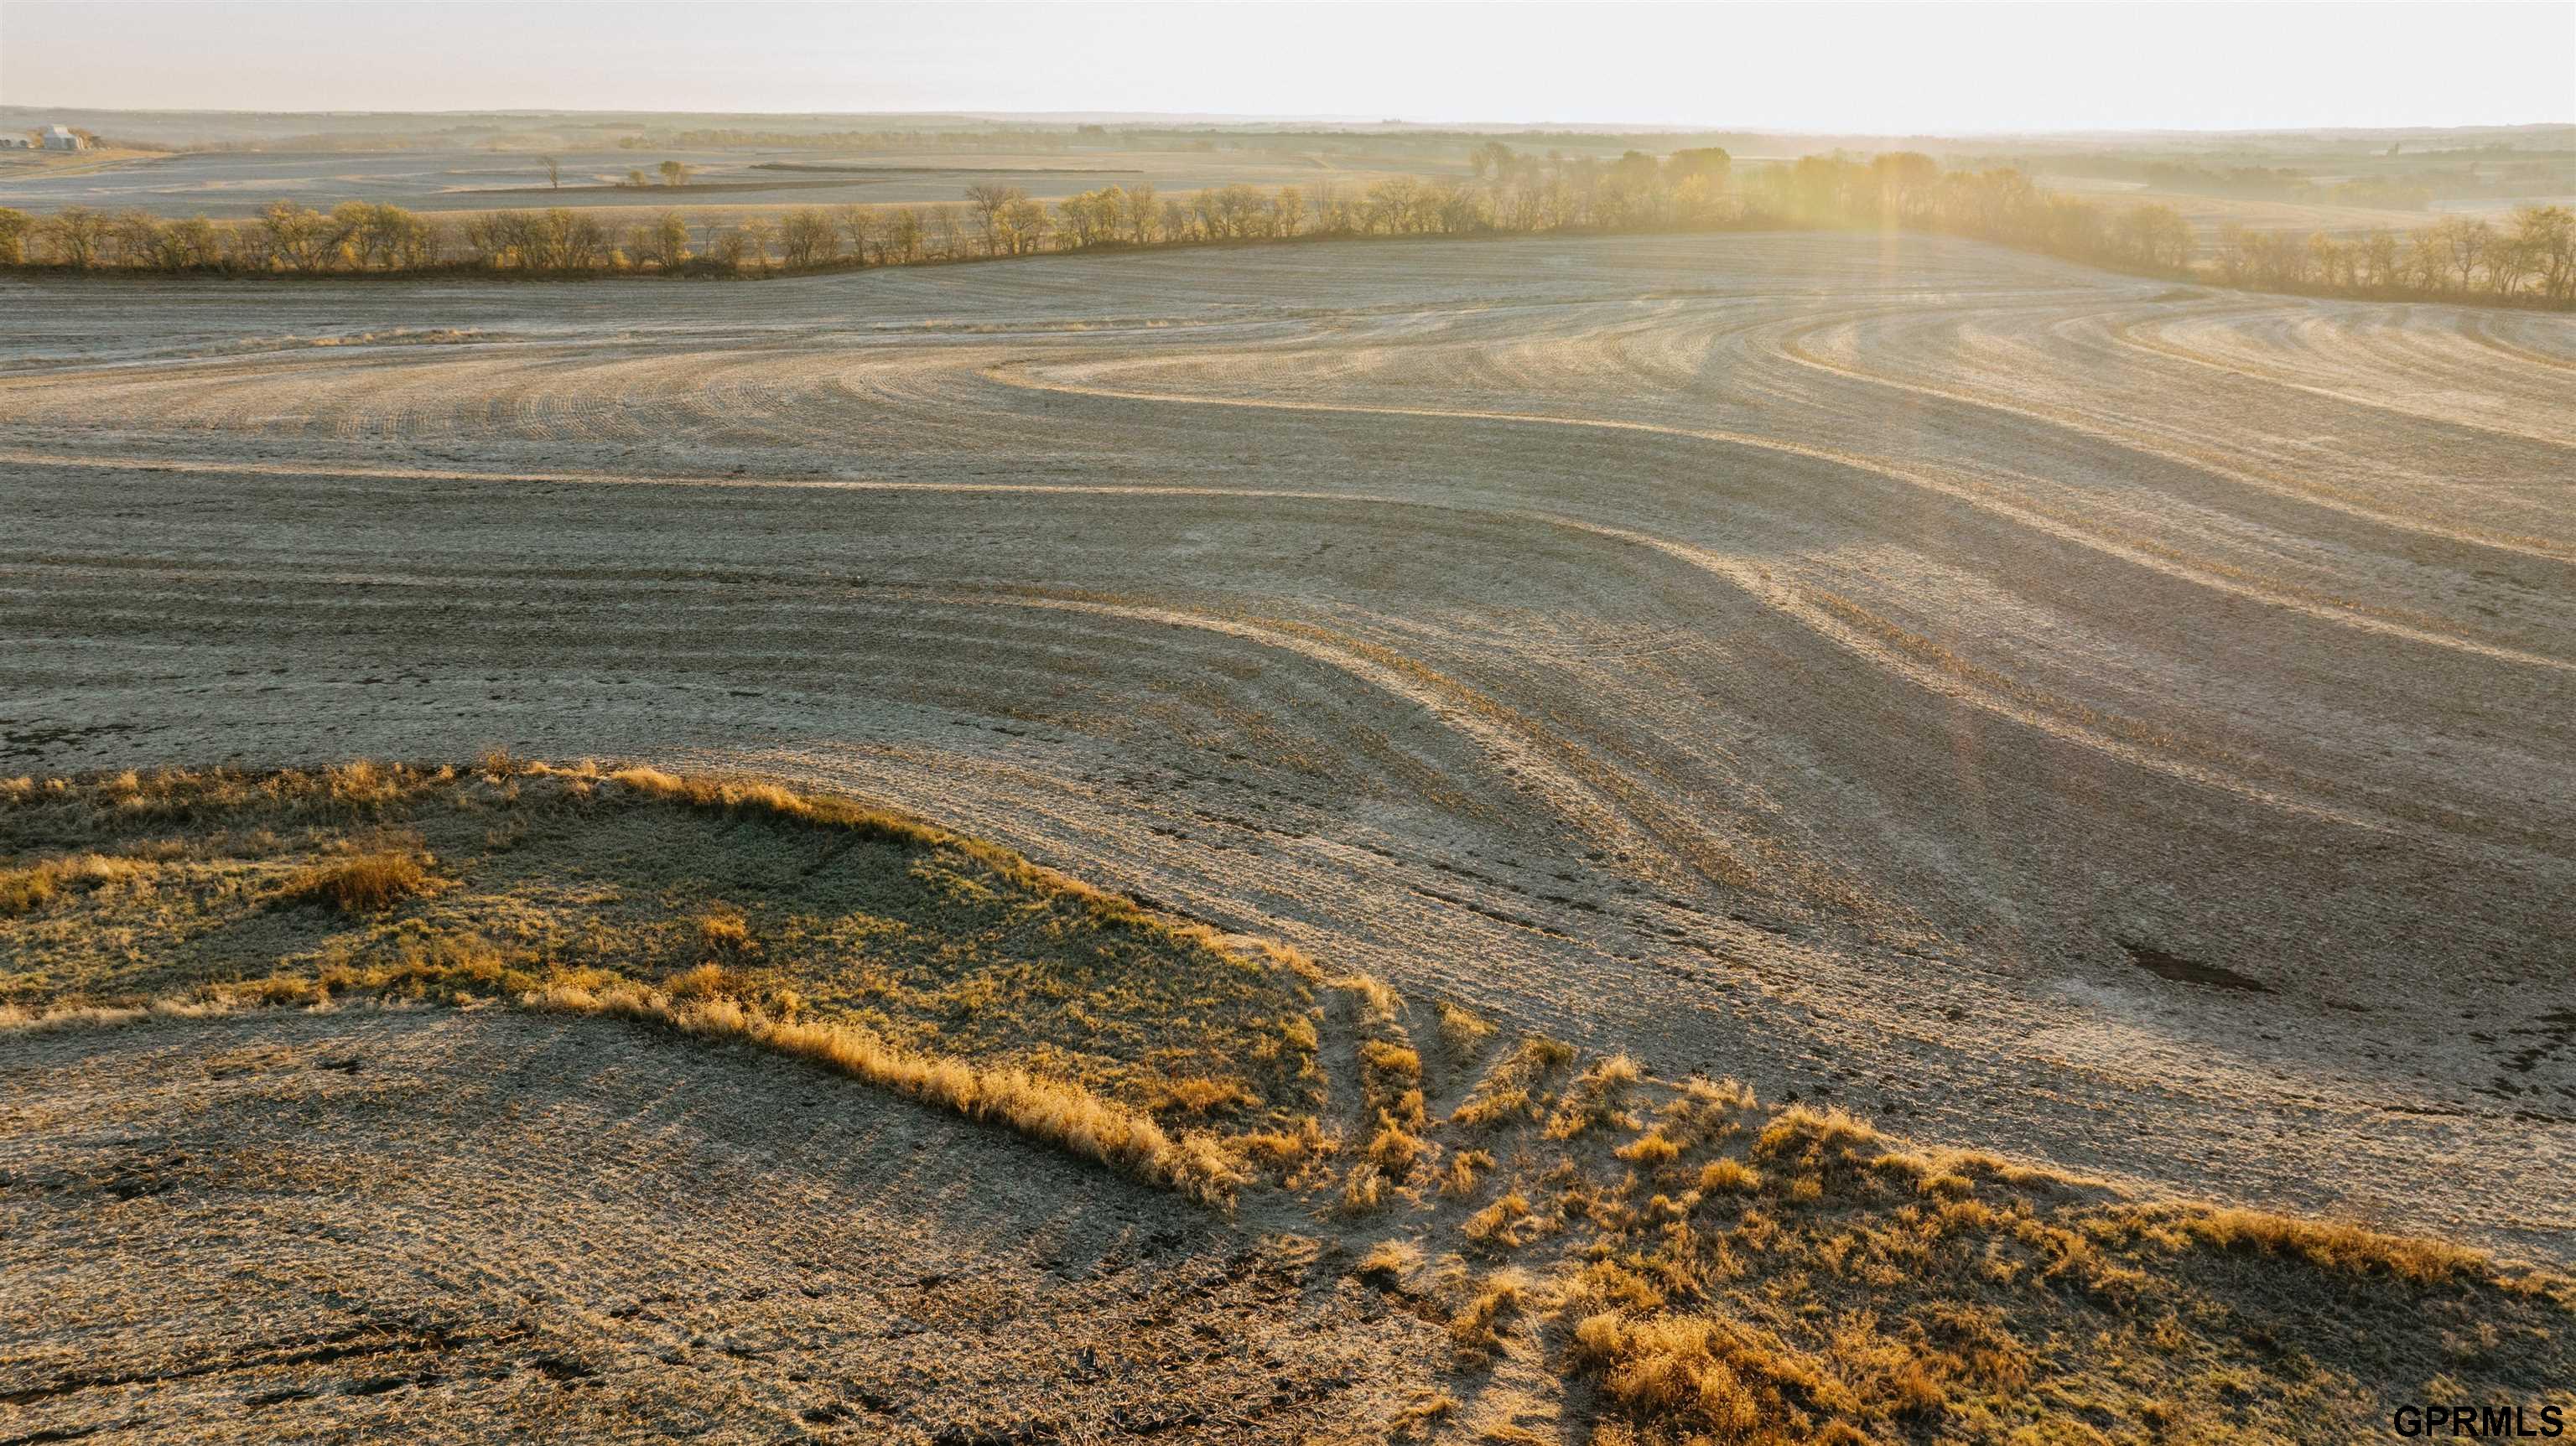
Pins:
x: 57, y: 138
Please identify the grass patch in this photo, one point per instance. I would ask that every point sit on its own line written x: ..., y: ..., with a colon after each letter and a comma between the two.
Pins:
x: 1463, y: 1034
x: 1510, y: 1090
x: 367, y: 883
x: 1056, y: 1112
x: 1731, y: 1272
x: 511, y: 878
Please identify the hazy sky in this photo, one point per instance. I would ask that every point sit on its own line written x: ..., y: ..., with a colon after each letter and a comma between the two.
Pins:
x: 1891, y: 67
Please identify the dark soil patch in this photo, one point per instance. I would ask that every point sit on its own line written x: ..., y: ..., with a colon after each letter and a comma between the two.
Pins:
x: 2165, y: 964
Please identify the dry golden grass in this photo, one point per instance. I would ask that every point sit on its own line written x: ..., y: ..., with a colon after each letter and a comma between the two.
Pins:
x: 1650, y: 1150
x: 27, y: 889
x: 1390, y: 1263
x: 365, y: 883
x: 1599, y: 1098
x: 19, y: 1018
x: 1477, y: 1328
x: 1291, y: 1157
x: 1194, y: 1096
x: 1685, y: 1371
x: 937, y: 966
x: 725, y: 935
x: 1729, y: 1177
x: 1459, y: 1177
x: 1363, y: 1190
x: 1422, y: 1416
x: 1722, y: 1271
x: 2330, y: 1245
x: 1716, y: 1270
x: 937, y: 943
x: 1462, y: 1033
x: 1500, y: 1224
x: 1055, y: 1112
x: 1506, y: 1091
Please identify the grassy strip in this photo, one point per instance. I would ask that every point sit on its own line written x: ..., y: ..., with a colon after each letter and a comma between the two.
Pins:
x: 1054, y: 1112
x: 1057, y: 1113
x: 145, y: 845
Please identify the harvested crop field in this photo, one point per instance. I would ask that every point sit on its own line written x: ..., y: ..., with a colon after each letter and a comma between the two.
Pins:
x: 2040, y: 710
x: 481, y: 1225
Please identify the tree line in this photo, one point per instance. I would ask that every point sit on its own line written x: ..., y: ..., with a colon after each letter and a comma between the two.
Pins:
x: 2531, y: 256
x: 2534, y: 253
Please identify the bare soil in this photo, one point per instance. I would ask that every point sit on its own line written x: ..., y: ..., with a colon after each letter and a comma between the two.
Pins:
x: 486, y: 1225
x: 1804, y: 658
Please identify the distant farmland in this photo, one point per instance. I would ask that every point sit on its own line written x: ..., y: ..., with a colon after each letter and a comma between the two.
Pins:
x: 235, y: 184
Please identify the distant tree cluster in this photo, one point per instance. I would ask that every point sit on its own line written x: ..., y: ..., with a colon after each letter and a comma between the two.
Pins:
x: 2002, y: 204
x: 2534, y: 252
x: 2531, y: 256
x: 671, y: 173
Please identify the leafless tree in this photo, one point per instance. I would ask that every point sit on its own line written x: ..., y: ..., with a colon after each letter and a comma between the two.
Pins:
x: 988, y: 202
x: 74, y: 232
x: 902, y: 235
x: 857, y: 226
x: 807, y: 237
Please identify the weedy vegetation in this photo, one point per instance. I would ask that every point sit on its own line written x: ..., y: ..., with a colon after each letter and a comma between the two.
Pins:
x: 1679, y: 1262
x: 873, y: 943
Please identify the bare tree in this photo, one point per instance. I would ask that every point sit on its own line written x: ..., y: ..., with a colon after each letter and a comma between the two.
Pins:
x: 1328, y: 206
x: 2378, y: 258
x: 2464, y: 244
x: 988, y: 203
x: 300, y: 237
x: 74, y: 230
x: 136, y: 236
x: 1077, y: 217
x: 856, y: 226
x: 902, y: 235
x: 2548, y: 235
x: 664, y: 240
x: 1024, y: 225
x: 2424, y: 260
x: 191, y: 245
x: 944, y: 238
x: 486, y: 240
x: 581, y: 244
x: 2530, y: 257
x: 1143, y: 216
x: 807, y: 237
x: 2326, y: 260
